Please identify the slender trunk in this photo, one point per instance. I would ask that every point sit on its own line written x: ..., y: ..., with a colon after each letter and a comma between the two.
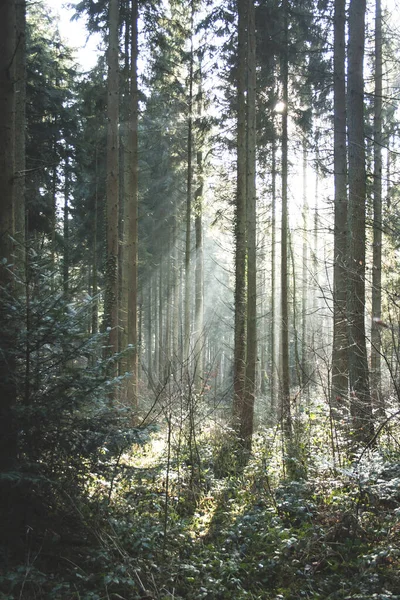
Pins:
x: 273, y: 370
x: 168, y: 312
x: 304, y: 289
x: 377, y: 191
x: 161, y: 353
x: 247, y: 417
x: 239, y: 360
x: 358, y: 364
x: 296, y: 365
x: 186, y: 350
x: 176, y: 347
x: 124, y: 200
x: 316, y: 332
x: 8, y: 391
x: 156, y: 359
x: 285, y: 386
x: 20, y: 128
x: 132, y: 200
x: 199, y: 276
x: 95, y: 307
x: 149, y: 335
x: 339, y: 388
x: 112, y: 185
x: 66, y: 227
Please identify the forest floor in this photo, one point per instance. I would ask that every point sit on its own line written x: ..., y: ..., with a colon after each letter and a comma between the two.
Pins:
x: 177, y: 521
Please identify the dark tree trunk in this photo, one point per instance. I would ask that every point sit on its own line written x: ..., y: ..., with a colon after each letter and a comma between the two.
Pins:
x: 358, y: 364
x: 339, y: 389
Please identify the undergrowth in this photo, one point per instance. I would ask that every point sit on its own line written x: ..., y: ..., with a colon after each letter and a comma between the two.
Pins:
x: 249, y: 533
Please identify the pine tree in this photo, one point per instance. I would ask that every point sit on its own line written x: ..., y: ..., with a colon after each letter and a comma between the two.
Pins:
x: 358, y: 363
x: 112, y: 190
x: 339, y: 389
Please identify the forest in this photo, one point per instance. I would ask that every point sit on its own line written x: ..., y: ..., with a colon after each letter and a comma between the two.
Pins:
x: 200, y: 301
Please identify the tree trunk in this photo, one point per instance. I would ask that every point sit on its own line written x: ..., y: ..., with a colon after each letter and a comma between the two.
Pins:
x: 358, y: 364
x: 199, y: 276
x: 285, y: 384
x: 377, y: 191
x: 186, y: 350
x: 239, y: 359
x: 149, y: 332
x: 112, y: 185
x: 273, y: 370
x: 8, y: 329
x: 247, y: 416
x: 339, y: 388
x: 95, y: 305
x: 66, y: 226
x: 132, y: 214
x: 20, y: 128
x: 305, y: 370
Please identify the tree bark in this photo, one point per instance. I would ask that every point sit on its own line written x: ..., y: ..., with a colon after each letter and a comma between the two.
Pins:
x: 112, y: 184
x: 377, y: 231
x: 199, y: 275
x: 66, y: 226
x: 285, y: 384
x: 239, y: 359
x: 358, y: 364
x: 20, y: 128
x: 186, y: 350
x: 273, y: 370
x: 8, y: 391
x: 247, y: 417
x: 305, y: 370
x: 340, y: 383
x: 132, y: 214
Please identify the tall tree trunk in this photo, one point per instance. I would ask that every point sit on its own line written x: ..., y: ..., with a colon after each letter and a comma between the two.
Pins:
x: 377, y: 190
x: 149, y: 334
x: 132, y: 202
x: 305, y: 371
x: 112, y: 185
x: 161, y: 352
x: 273, y: 370
x: 124, y: 201
x: 339, y: 388
x: 95, y: 306
x: 247, y: 416
x: 20, y: 128
x: 66, y: 226
x: 239, y: 359
x: 199, y: 276
x: 8, y: 331
x: 285, y: 384
x: 176, y: 327
x: 186, y: 350
x: 358, y: 364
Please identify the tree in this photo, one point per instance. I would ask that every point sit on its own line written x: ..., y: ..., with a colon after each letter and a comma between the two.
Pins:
x: 285, y: 384
x: 8, y: 392
x: 20, y: 128
x: 339, y: 390
x: 239, y: 360
x: 132, y: 212
x: 377, y: 225
x: 112, y: 189
x: 247, y: 416
x: 199, y: 266
x: 358, y: 363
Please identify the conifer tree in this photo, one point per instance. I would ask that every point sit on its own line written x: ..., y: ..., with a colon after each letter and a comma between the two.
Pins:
x: 358, y: 363
x: 112, y: 189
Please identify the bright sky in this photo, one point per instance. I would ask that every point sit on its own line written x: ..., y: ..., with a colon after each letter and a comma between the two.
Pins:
x: 75, y: 34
